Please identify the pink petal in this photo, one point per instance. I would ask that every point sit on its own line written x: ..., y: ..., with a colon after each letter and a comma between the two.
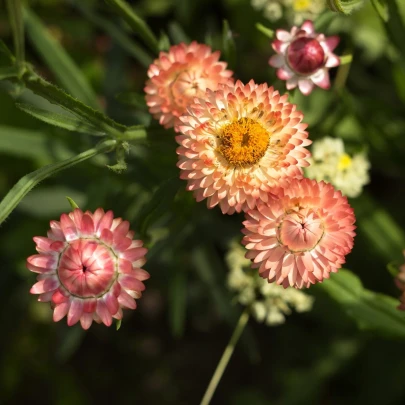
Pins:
x: 131, y: 283
x: 68, y: 227
x: 284, y: 74
x: 305, y: 86
x: 321, y: 79
x: 87, y: 225
x: 104, y: 313
x: 75, y: 311
x: 60, y: 311
x: 277, y: 61
x: 308, y: 27
x: 125, y: 300
x: 134, y: 254
x: 332, y: 61
x: 283, y: 35
x: 111, y: 303
x: 86, y: 320
x: 45, y: 285
x: 331, y: 42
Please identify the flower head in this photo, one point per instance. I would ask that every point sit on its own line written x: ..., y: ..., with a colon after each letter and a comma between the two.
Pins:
x: 304, y: 57
x: 302, y: 235
x: 269, y: 302
x: 240, y: 142
x: 89, y: 267
x: 330, y: 162
x: 179, y: 75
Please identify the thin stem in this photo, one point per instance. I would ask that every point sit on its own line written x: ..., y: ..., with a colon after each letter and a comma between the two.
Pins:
x: 219, y: 371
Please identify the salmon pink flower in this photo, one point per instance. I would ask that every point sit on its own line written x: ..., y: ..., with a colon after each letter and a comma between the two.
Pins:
x: 178, y: 76
x: 304, y: 57
x: 301, y: 236
x: 89, y: 267
x: 239, y: 143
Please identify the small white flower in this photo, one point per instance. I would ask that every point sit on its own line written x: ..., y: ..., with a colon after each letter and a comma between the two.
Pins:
x: 269, y: 302
x: 331, y: 163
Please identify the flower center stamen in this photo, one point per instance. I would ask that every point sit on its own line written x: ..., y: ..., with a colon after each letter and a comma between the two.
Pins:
x: 243, y: 142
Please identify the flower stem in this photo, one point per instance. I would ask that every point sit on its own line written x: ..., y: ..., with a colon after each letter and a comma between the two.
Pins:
x: 17, y: 27
x: 219, y: 371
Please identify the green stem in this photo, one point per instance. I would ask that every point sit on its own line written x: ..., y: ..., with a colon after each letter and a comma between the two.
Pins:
x: 28, y: 182
x: 219, y: 371
x: 135, y: 22
x: 17, y: 27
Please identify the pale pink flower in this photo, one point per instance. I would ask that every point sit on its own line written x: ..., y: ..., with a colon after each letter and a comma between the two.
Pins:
x: 89, y: 267
x: 301, y: 236
x: 304, y: 57
x: 239, y: 143
x: 178, y: 76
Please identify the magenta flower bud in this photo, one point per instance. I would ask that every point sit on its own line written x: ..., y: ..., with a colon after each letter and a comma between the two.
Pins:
x: 305, y: 55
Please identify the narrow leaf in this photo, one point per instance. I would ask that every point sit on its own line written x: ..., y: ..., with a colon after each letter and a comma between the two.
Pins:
x: 72, y: 203
x: 60, y: 120
x: 381, y: 7
x: 138, y: 25
x: 177, y: 33
x: 59, y: 61
x: 371, y: 311
x: 122, y: 39
x: 17, y: 27
x: 5, y: 54
x: 28, y: 182
x: 266, y: 31
x: 228, y: 45
x: 177, y: 299
x: 164, y: 42
x: 57, y: 96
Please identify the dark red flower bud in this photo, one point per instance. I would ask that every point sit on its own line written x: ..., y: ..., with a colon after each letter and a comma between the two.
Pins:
x: 305, y: 55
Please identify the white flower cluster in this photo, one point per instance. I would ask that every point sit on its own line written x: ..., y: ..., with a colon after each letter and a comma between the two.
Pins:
x: 296, y: 11
x: 331, y: 163
x: 269, y: 302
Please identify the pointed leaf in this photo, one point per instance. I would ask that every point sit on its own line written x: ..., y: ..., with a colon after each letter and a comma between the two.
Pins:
x: 8, y: 72
x: 371, y: 310
x: 228, y: 45
x: 60, y: 120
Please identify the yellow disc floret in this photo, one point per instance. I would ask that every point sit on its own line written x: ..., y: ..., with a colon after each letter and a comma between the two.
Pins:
x: 345, y: 161
x: 301, y: 5
x: 243, y: 142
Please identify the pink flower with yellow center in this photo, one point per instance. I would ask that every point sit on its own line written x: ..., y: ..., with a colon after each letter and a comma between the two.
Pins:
x: 178, y: 76
x: 304, y: 57
x: 301, y: 236
x: 240, y: 142
x: 89, y: 267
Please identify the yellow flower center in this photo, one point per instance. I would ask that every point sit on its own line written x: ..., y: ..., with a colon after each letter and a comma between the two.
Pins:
x: 301, y: 5
x: 243, y: 142
x: 345, y: 162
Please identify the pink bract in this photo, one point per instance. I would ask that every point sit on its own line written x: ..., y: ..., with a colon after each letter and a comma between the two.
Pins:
x: 179, y: 75
x: 89, y: 267
x: 240, y: 143
x: 304, y: 57
x: 300, y: 237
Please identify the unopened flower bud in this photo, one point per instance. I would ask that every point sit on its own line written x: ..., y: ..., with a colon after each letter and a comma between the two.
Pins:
x: 305, y: 55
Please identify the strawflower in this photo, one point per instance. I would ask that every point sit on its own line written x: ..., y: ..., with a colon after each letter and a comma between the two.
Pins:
x: 330, y: 162
x: 270, y: 303
x: 301, y: 236
x: 239, y: 143
x: 89, y: 267
x: 179, y: 75
x: 304, y: 57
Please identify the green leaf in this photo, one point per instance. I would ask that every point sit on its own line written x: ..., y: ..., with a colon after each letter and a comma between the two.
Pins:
x: 228, y: 45
x: 57, y: 96
x: 118, y: 324
x: 118, y: 34
x: 344, y: 6
x: 17, y: 27
x: 59, y: 61
x: 164, y: 42
x: 381, y: 7
x: 371, y: 310
x: 28, y: 182
x: 5, y: 54
x: 138, y: 25
x: 60, y: 120
x: 37, y: 145
x: 8, y: 72
x: 266, y: 31
x: 72, y: 203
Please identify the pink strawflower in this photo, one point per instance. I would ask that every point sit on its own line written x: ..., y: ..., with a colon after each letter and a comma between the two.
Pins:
x: 400, y: 282
x: 240, y: 142
x: 304, y: 57
x: 178, y: 76
x: 300, y: 237
x: 89, y: 267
